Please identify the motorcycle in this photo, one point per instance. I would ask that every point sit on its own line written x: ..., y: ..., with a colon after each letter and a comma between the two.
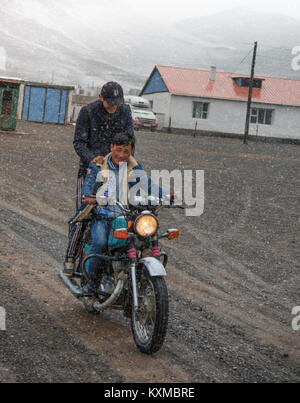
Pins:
x: 132, y: 274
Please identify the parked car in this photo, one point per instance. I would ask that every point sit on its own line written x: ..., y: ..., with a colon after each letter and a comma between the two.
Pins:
x: 142, y: 115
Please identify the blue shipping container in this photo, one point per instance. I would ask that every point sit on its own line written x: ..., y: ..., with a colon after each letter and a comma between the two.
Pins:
x: 45, y: 105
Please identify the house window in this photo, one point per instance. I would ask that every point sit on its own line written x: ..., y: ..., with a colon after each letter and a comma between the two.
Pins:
x: 200, y: 110
x: 261, y: 116
x: 245, y: 82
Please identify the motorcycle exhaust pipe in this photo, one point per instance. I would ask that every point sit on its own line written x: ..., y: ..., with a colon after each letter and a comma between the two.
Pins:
x: 112, y: 299
x: 75, y: 290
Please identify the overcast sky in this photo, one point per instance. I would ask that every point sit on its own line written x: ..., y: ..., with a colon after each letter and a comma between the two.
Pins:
x: 169, y: 11
x: 180, y: 9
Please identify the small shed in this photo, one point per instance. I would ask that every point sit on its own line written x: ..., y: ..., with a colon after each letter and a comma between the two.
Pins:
x: 9, y: 97
x: 46, y: 103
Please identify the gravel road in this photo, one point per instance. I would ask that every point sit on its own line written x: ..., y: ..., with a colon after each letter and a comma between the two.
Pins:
x: 233, y: 275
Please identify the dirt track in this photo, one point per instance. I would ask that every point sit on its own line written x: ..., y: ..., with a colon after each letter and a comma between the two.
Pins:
x: 233, y: 276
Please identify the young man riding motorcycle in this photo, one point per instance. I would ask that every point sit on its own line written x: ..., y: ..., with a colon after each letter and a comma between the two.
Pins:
x: 113, y: 179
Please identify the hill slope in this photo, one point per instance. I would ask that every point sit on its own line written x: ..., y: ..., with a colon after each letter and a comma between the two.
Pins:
x: 109, y: 40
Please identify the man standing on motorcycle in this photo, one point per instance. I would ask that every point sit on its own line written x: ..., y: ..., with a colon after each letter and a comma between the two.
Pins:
x: 95, y: 128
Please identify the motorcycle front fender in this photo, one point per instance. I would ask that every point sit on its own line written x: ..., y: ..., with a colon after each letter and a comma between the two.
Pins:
x: 154, y: 267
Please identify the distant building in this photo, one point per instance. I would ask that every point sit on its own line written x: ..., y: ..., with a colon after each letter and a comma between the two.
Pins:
x: 45, y: 103
x: 83, y: 97
x: 9, y: 101
x: 79, y: 101
x: 211, y: 101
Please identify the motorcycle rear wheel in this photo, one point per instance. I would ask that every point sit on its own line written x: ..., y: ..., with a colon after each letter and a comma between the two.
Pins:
x: 149, y: 324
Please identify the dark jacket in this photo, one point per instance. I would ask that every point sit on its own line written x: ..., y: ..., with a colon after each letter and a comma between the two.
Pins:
x: 95, y: 129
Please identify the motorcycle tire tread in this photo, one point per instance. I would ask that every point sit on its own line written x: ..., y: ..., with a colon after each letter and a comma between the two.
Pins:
x: 161, y: 320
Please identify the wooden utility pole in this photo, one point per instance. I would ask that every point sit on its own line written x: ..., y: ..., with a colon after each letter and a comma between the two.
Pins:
x: 170, y: 125
x: 250, y: 95
x: 195, y: 132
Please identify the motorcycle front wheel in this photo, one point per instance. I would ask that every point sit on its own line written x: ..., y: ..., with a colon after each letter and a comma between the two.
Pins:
x: 149, y: 323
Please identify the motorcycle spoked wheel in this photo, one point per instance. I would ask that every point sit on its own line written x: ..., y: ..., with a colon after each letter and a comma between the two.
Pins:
x: 149, y: 324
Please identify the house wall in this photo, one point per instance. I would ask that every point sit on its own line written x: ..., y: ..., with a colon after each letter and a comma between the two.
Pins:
x: 223, y: 116
x: 286, y: 123
x: 156, y: 84
x: 21, y: 100
x: 69, y: 110
x: 161, y: 106
x: 229, y: 117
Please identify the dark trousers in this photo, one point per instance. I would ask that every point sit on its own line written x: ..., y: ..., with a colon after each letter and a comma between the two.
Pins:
x: 77, y: 229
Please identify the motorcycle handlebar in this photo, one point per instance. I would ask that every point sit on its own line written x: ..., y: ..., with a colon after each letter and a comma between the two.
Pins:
x: 180, y: 207
x: 93, y: 198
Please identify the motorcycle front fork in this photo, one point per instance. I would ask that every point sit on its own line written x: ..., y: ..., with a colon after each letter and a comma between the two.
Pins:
x: 133, y: 264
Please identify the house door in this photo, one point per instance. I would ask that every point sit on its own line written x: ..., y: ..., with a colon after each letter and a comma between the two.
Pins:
x: 8, y: 108
x: 55, y: 107
x: 34, y: 104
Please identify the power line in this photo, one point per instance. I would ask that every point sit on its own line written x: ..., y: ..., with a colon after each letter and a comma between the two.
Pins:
x: 243, y: 60
x: 262, y: 45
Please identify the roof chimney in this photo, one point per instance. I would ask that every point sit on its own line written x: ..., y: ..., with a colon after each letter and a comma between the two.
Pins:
x: 213, y: 73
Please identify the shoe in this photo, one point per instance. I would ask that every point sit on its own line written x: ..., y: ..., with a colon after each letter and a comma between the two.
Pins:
x: 107, y: 286
x: 69, y: 268
x: 88, y: 290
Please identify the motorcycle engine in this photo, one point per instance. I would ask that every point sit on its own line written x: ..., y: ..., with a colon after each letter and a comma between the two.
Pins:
x: 118, y: 266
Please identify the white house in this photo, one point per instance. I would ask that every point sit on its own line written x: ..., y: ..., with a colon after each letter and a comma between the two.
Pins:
x: 212, y: 101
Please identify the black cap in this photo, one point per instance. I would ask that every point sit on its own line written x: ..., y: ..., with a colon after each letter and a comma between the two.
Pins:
x: 112, y: 93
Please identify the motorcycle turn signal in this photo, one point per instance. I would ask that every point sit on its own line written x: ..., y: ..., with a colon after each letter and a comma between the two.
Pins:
x: 121, y: 234
x: 173, y: 234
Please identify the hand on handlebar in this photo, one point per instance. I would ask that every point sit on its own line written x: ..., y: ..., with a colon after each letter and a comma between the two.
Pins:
x: 172, y: 200
x: 175, y: 199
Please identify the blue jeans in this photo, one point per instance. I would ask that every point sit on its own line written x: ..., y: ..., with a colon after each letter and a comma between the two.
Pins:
x: 100, y: 230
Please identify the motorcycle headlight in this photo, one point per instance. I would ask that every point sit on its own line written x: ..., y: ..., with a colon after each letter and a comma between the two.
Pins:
x: 146, y: 225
